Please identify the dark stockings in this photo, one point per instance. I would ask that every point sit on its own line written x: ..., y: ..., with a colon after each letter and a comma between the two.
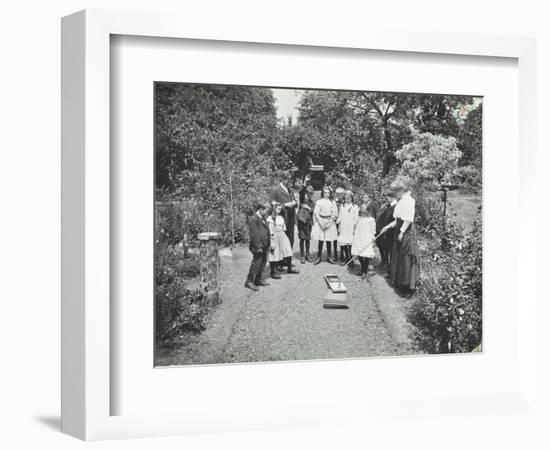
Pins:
x: 288, y: 262
x: 345, y: 251
x: 304, y: 243
x: 320, y: 248
x: 364, y: 264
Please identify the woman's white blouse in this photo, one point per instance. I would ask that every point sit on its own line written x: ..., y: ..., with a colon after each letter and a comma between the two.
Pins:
x: 404, y: 209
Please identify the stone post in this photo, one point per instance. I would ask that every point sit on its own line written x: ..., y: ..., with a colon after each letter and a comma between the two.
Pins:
x: 209, y: 266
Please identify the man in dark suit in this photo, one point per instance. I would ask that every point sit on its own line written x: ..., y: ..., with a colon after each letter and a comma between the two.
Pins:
x: 260, y: 240
x: 282, y: 193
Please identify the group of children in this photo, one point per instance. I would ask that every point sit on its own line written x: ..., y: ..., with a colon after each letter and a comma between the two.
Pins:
x: 342, y: 223
x: 334, y: 221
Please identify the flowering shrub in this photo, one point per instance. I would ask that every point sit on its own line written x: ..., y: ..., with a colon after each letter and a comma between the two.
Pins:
x: 447, y: 313
x: 430, y: 159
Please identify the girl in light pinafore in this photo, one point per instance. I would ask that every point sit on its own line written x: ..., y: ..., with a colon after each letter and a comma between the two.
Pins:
x: 280, y: 249
x: 363, y: 238
x: 347, y: 218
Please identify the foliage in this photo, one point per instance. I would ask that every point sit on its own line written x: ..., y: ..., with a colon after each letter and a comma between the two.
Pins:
x: 198, y: 123
x: 431, y: 160
x: 337, y: 126
x: 439, y: 114
x: 215, y: 146
x: 470, y: 139
x: 429, y: 212
x: 366, y: 177
x: 177, y: 308
x: 327, y: 130
x: 447, y: 312
x: 355, y: 123
x: 469, y: 178
x: 173, y: 221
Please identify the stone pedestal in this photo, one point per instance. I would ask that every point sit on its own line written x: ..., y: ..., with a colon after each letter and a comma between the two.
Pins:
x: 209, y: 266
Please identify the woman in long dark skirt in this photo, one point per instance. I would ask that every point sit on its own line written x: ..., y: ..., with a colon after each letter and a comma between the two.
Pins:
x: 405, y: 270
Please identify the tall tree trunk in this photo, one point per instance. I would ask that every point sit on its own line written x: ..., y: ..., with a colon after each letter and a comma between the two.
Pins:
x: 389, y: 157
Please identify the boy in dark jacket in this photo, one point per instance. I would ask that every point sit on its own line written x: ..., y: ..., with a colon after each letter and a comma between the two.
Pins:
x: 260, y: 239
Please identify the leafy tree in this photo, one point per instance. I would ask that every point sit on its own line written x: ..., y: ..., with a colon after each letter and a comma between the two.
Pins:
x: 384, y: 115
x: 470, y: 139
x: 438, y: 114
x: 198, y: 123
x: 351, y: 123
x: 215, y: 145
x: 327, y: 130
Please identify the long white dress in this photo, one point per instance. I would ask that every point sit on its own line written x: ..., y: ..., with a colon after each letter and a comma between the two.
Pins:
x: 347, y: 218
x: 325, y: 215
x: 279, y: 239
x: 365, y: 231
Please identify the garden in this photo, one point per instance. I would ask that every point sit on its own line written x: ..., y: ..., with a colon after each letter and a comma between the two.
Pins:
x: 220, y: 148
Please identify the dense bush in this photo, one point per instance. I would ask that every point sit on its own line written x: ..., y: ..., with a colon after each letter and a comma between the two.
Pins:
x: 220, y: 196
x: 470, y: 139
x: 447, y: 312
x: 177, y: 308
x: 469, y: 178
x: 429, y: 211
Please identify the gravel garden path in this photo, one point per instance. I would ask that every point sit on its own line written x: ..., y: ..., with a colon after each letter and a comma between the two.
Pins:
x: 286, y: 320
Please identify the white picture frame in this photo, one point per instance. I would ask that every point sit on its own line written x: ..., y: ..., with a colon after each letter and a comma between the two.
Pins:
x: 86, y: 326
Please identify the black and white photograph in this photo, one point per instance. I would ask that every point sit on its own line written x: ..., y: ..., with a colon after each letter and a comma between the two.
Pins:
x: 296, y: 224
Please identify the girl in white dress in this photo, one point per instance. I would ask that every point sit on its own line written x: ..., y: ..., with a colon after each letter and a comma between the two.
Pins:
x: 363, y: 238
x: 347, y: 218
x: 280, y: 249
x: 324, y: 229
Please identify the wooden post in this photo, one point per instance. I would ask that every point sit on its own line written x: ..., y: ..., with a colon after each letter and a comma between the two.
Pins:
x: 209, y: 266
